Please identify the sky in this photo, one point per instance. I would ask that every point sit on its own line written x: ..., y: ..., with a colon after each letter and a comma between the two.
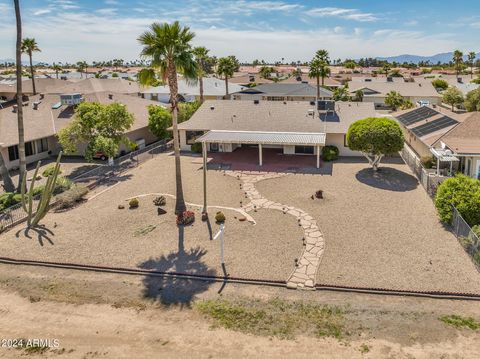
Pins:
x: 95, y: 30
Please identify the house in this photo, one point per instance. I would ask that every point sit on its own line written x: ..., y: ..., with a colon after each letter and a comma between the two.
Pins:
x: 291, y: 127
x: 45, y: 115
x: 249, y: 79
x: 282, y: 92
x: 328, y: 81
x: 94, y: 85
x: 463, y: 141
x: 213, y: 89
x: 8, y: 90
x: 376, y: 91
x: 423, y: 126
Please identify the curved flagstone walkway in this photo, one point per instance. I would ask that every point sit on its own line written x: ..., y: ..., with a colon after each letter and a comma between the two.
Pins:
x: 304, y: 273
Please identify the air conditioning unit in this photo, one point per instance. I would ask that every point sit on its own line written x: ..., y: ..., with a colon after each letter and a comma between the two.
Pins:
x: 326, y: 105
x: 71, y: 99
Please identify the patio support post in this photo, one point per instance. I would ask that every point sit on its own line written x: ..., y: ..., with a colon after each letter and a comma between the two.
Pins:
x: 204, y: 155
x: 318, y: 156
x: 260, y: 155
x: 438, y: 166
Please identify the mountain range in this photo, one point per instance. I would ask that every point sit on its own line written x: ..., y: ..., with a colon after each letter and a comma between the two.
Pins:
x: 444, y: 57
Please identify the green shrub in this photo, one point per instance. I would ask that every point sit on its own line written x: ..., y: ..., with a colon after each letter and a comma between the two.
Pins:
x: 220, y: 217
x: 440, y: 84
x: 49, y: 171
x: 427, y: 161
x: 9, y: 199
x: 330, y: 153
x: 197, y: 147
x: 133, y: 203
x: 62, y: 184
x: 70, y: 197
x: 462, y: 192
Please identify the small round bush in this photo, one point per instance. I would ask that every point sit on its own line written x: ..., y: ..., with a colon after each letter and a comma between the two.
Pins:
x: 197, y: 147
x: 330, y: 153
x: 427, y: 161
x: 463, y: 192
x: 160, y: 201
x: 187, y: 218
x: 133, y: 203
x: 220, y: 217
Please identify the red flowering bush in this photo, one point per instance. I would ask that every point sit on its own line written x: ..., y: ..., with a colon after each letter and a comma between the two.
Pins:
x: 188, y: 217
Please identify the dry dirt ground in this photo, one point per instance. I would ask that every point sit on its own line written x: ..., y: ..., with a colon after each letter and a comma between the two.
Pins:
x: 98, y: 315
x: 380, y: 230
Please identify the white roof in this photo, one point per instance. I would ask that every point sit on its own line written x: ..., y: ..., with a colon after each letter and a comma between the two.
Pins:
x: 212, y: 86
x: 268, y: 138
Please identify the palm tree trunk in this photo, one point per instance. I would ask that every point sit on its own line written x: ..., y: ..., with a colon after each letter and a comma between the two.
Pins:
x: 21, y: 131
x: 318, y: 88
x: 180, y: 206
x: 32, y: 74
x: 8, y: 185
x: 200, y: 79
x: 56, y: 73
x: 323, y: 81
x: 227, y: 96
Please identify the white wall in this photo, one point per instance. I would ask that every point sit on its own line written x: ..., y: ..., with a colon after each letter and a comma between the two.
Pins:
x: 337, y: 139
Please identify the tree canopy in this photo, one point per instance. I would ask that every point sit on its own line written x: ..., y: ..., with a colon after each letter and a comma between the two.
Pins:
x: 440, y: 84
x: 101, y: 127
x: 472, y: 100
x: 159, y: 120
x: 394, y: 100
x: 375, y: 137
x: 452, y: 96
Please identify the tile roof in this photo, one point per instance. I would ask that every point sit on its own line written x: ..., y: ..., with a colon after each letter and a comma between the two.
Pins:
x: 212, y: 86
x: 283, y: 89
x: 465, y: 138
x: 405, y: 89
x: 92, y: 85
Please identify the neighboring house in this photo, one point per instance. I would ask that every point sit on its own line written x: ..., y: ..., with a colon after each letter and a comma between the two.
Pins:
x: 464, y: 143
x: 249, y: 80
x: 8, y: 90
x: 377, y: 91
x: 213, y: 89
x: 44, y: 116
x: 282, y: 92
x: 94, y: 85
x: 328, y: 81
x: 462, y: 83
x: 291, y: 126
x: 423, y: 126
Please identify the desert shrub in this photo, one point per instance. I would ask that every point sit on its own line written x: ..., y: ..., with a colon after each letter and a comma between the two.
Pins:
x: 197, y: 147
x: 462, y: 192
x: 133, y: 203
x: 9, y: 199
x: 187, y: 218
x: 70, y: 197
x: 476, y: 230
x: 330, y: 153
x: 220, y: 217
x: 440, y: 84
x: 427, y: 161
x: 160, y: 201
x: 62, y: 184
x: 49, y: 171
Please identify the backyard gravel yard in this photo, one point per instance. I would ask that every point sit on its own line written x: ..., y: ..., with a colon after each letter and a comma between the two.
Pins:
x: 97, y: 232
x: 379, y: 231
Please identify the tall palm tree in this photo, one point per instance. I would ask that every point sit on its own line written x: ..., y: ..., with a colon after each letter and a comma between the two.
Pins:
x: 168, y: 46
x: 57, y: 68
x: 82, y: 67
x: 324, y: 60
x: 471, y: 59
x: 226, y: 67
x: 21, y: 130
x: 201, y: 55
x: 318, y: 70
x: 458, y: 60
x: 29, y: 46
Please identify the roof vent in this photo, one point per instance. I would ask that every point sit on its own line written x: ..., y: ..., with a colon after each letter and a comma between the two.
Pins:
x: 42, y: 96
x: 312, y: 103
x: 110, y: 96
x: 212, y: 108
x: 311, y: 112
x: 35, y: 105
x: 256, y: 102
x: 15, y: 107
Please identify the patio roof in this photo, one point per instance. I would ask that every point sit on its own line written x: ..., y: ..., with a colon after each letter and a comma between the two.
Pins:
x: 266, y: 138
x: 444, y: 155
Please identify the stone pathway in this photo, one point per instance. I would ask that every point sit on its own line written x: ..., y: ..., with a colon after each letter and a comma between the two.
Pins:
x: 304, y: 273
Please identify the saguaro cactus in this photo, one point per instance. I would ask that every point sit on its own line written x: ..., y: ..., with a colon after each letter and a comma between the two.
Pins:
x: 34, y: 217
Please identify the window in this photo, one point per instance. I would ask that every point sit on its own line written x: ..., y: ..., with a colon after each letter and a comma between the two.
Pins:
x: 304, y: 149
x: 41, y: 145
x: 29, y: 150
x: 275, y: 98
x: 192, y: 136
x: 13, y: 153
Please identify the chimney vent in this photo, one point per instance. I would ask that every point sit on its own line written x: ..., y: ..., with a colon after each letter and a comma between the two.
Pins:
x: 35, y: 105
x: 42, y: 96
x: 212, y: 108
x: 256, y: 102
x: 110, y: 96
x: 15, y: 107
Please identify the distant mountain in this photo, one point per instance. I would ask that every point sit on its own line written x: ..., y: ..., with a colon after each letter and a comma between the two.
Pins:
x: 443, y: 58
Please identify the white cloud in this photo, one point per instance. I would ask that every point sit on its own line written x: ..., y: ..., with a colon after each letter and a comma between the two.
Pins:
x: 111, y: 2
x: 4, y: 9
x: 42, y: 12
x: 348, y: 14
x: 106, y: 11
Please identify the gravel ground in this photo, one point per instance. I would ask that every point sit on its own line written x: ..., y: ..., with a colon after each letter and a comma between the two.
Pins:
x: 97, y: 232
x: 379, y: 231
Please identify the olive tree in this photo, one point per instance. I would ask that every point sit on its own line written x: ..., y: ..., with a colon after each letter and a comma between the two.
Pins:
x: 101, y: 127
x: 452, y: 96
x: 159, y: 120
x: 375, y: 137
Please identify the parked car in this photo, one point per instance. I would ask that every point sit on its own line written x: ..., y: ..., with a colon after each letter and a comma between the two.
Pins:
x: 100, y: 156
